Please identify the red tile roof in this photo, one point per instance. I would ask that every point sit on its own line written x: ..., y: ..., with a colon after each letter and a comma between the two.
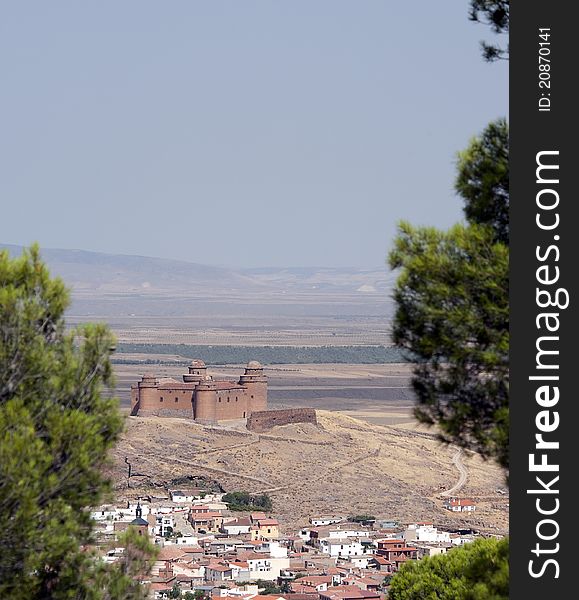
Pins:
x: 170, y: 553
x: 257, y: 515
x: 265, y: 522
x: 315, y: 579
x: 221, y: 568
x: 344, y: 592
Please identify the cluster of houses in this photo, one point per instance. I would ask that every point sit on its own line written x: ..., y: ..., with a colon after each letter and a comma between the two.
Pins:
x: 204, y: 553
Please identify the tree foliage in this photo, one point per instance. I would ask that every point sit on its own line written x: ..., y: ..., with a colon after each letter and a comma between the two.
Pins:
x: 483, y: 179
x: 285, y: 355
x: 121, y: 580
x: 495, y: 14
x: 243, y: 501
x: 56, y: 427
x: 452, y: 310
x: 361, y: 518
x: 452, y: 313
x: 475, y: 571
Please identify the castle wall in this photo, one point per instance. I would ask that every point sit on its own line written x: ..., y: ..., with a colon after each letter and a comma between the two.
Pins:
x: 165, y: 401
x: 200, y: 397
x: 232, y: 404
x: 263, y: 420
x: 176, y: 400
x: 257, y: 396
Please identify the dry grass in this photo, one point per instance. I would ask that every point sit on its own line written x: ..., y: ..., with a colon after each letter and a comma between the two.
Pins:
x: 342, y: 466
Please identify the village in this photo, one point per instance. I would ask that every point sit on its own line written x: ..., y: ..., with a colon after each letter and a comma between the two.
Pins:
x: 205, y: 551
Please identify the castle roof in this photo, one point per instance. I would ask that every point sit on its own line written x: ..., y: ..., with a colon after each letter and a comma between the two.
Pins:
x: 175, y: 385
x: 228, y: 385
x: 254, y: 364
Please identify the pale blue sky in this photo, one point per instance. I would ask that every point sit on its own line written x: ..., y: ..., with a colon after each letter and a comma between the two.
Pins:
x: 242, y: 132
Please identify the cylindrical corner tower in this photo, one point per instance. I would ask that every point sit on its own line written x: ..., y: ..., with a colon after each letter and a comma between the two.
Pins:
x: 205, y: 402
x: 134, y: 399
x: 197, y: 372
x: 147, y: 394
x: 256, y: 383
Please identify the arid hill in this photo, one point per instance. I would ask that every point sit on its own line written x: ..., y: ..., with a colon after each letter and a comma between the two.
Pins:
x: 341, y: 466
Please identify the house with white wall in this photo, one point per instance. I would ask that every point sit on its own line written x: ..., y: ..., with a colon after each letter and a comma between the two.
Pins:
x: 325, y: 520
x: 425, y: 532
x: 342, y: 547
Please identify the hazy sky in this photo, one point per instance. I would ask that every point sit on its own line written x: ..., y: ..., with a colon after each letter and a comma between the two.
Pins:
x: 241, y: 132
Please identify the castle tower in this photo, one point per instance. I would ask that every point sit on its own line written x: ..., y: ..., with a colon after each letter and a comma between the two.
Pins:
x: 146, y: 394
x: 205, y: 402
x: 197, y: 372
x: 256, y: 383
x: 134, y: 399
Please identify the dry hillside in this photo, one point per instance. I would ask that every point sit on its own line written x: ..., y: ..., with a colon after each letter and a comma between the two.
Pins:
x: 342, y: 466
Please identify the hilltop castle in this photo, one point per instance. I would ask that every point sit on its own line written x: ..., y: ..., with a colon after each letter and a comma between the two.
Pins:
x: 200, y: 397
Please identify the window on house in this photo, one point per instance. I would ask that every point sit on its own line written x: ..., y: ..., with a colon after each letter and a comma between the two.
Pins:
x: 161, y: 399
x: 219, y: 399
x: 252, y: 395
x: 176, y: 399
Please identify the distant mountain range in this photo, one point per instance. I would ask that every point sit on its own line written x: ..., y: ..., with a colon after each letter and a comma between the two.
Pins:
x: 90, y: 273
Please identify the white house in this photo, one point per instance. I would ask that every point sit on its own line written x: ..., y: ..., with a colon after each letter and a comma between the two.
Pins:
x: 459, y: 505
x: 431, y: 549
x: 106, y: 513
x: 262, y: 567
x: 164, y: 524
x: 346, y: 532
x: 325, y: 520
x: 341, y: 547
x: 459, y: 540
x: 273, y: 548
x: 218, y: 572
x: 236, y: 526
x: 182, y: 496
x: 425, y: 532
x: 360, y: 562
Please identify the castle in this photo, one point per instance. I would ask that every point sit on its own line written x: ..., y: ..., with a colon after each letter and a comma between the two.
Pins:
x: 200, y: 397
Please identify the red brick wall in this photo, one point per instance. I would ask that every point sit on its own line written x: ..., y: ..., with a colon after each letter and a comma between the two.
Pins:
x: 155, y: 401
x: 231, y: 404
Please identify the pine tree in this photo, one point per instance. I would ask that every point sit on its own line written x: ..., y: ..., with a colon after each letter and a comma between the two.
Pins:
x: 56, y: 427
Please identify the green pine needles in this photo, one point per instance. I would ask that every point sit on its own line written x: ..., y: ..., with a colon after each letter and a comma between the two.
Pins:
x: 56, y: 427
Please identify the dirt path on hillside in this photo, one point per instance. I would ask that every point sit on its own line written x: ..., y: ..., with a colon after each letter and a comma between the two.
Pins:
x: 463, y: 474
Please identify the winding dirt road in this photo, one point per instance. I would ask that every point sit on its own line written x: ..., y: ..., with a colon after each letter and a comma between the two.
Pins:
x: 463, y: 474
